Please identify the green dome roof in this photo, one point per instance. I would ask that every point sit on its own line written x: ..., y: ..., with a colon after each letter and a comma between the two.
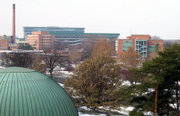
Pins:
x: 25, y: 92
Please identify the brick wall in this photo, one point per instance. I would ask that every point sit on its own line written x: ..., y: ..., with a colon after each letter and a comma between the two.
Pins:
x: 3, y: 44
x: 139, y: 37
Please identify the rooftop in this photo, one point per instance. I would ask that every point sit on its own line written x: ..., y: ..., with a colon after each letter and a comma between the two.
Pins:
x: 25, y: 92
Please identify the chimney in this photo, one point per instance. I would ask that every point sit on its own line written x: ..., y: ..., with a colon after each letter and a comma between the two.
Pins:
x: 13, y: 26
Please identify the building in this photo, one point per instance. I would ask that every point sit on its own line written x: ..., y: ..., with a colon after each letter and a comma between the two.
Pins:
x: 21, y: 42
x: 67, y: 36
x: 143, y: 44
x: 29, y: 30
x: 13, y: 46
x: 4, y: 44
x: 25, y: 92
x: 41, y: 40
x: 9, y: 38
x: 63, y: 35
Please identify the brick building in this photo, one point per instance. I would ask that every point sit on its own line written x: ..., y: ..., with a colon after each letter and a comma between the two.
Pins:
x: 41, y: 40
x: 4, y: 44
x: 143, y: 44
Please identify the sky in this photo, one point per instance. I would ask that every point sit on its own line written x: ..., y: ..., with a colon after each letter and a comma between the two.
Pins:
x: 154, y: 17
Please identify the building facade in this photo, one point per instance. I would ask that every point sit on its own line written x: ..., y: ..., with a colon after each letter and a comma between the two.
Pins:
x: 63, y: 35
x: 4, y: 44
x: 63, y: 30
x: 143, y: 44
x: 67, y: 36
x: 41, y: 40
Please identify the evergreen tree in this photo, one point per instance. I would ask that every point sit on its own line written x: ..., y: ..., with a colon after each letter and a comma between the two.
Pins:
x: 19, y: 59
x: 171, y: 61
x: 25, y: 47
x: 164, y: 70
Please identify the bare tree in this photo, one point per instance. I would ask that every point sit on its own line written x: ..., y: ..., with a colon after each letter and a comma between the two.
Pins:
x: 75, y: 56
x: 53, y: 58
x: 130, y: 58
x: 87, y: 46
x: 38, y: 64
x: 102, y: 47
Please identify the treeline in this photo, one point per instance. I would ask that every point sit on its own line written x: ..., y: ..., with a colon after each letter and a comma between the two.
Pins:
x: 154, y: 84
x: 41, y: 62
x: 97, y: 81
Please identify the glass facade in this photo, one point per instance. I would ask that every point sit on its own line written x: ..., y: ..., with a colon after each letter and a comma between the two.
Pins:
x: 141, y: 47
x: 127, y: 44
x: 69, y: 36
x: 54, y: 30
x: 151, y: 48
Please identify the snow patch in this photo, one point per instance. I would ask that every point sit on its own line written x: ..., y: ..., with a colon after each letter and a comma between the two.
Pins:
x: 83, y: 114
x: 126, y: 83
x: 85, y: 108
x: 62, y: 85
x: 66, y: 72
x: 149, y: 113
x: 130, y: 108
x: 122, y: 110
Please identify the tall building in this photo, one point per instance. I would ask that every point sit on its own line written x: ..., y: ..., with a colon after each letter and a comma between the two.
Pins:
x: 63, y: 36
x: 69, y: 36
x: 53, y: 30
x: 143, y: 44
x: 41, y: 40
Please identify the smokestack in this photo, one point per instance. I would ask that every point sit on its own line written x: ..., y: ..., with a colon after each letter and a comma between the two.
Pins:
x: 13, y: 26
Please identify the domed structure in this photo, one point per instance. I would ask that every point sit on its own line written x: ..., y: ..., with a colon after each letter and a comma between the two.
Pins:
x: 25, y: 92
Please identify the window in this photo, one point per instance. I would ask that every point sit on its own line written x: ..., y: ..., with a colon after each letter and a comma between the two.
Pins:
x: 145, y: 42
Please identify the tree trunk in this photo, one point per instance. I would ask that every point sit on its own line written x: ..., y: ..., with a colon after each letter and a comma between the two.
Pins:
x: 51, y: 71
x: 168, y: 109
x: 156, y: 99
x: 168, y: 104
x: 177, y: 98
x: 51, y: 74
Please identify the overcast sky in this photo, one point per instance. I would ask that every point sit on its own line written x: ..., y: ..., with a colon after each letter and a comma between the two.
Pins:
x: 154, y: 17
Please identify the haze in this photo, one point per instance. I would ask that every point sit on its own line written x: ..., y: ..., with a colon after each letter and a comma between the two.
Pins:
x: 154, y: 17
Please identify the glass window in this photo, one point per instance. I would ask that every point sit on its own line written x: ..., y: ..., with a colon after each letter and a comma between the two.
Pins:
x: 141, y: 43
x: 145, y: 42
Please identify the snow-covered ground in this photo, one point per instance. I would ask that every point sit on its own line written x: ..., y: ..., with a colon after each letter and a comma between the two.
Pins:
x: 122, y: 110
x: 60, y: 72
x: 84, y: 108
x: 85, y: 114
x: 127, y: 83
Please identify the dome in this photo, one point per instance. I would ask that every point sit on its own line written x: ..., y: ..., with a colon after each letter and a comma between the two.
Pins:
x: 25, y: 92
